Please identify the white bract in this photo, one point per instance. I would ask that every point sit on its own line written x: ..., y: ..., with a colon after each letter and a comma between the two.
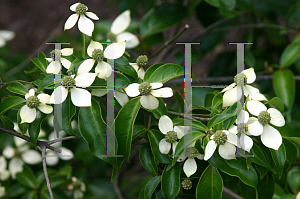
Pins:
x: 233, y: 92
x: 148, y: 93
x: 141, y: 63
x: 2, y: 191
x: 6, y: 35
x: 20, y: 155
x: 4, y: 173
x: 28, y: 112
x: 80, y: 97
x: 78, y: 187
x: 56, y: 60
x: 117, y: 34
x: 270, y: 136
x: 120, y: 96
x: 172, y: 134
x: 226, y: 142
x: 85, y: 25
x: 95, y: 51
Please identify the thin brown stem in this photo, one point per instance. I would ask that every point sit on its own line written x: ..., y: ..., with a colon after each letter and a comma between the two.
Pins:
x: 231, y: 193
x: 63, y: 139
x: 46, y: 172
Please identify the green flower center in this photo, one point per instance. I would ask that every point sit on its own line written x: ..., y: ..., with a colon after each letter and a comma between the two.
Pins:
x: 55, y: 54
x: 142, y: 61
x: 68, y: 81
x: 32, y: 102
x: 240, y: 79
x: 112, y: 37
x: 171, y: 137
x: 145, y: 88
x: 264, y: 117
x: 242, y: 128
x: 81, y: 9
x: 98, y: 55
x: 186, y: 184
x: 77, y: 184
x: 191, y: 152
x: 220, y: 137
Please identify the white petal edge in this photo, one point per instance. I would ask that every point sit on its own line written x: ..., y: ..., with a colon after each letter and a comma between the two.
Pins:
x: 44, y: 98
x: 15, y: 166
x: 121, y: 23
x: 59, y: 95
x: 27, y: 114
x: 243, y: 117
x: 231, y: 96
x: 73, y: 7
x: 149, y: 102
x: 276, y: 117
x: 92, y: 46
x: 231, y: 86
x: 71, y: 21
x: 271, y: 137
x: 189, y: 167
x: 210, y: 149
x: 104, y: 70
x: 66, y: 63
x: 85, y: 25
x: 66, y: 51
x: 232, y: 139
x: 255, y: 128
x: 132, y: 41
x: 84, y: 80
x: 250, y: 74
x: 164, y: 146
x: 156, y: 85
x: 92, y: 15
x: 8, y: 152
x: 51, y: 158
x: 81, y: 97
x: 85, y: 66
x: 165, y: 124
x: 115, y: 50
x: 32, y: 157
x: 54, y: 67
x: 47, y: 109
x: 180, y: 131
x: 246, y: 142
x: 162, y: 92
x: 132, y: 90
x: 121, y: 98
x: 255, y: 107
x: 66, y: 154
x: 227, y: 151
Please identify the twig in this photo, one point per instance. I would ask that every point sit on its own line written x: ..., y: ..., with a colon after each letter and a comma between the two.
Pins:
x: 46, y: 172
x: 231, y: 193
x: 202, y: 119
x: 62, y: 139
x: 116, y: 187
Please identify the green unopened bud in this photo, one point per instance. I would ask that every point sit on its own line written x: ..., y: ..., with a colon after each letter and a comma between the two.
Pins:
x: 264, y: 117
x: 32, y: 102
x: 81, y: 9
x: 191, y: 152
x: 145, y: 88
x: 242, y: 128
x: 68, y: 81
x: 171, y: 137
x: 112, y: 37
x: 186, y: 184
x: 98, y: 55
x: 142, y: 61
x: 220, y: 137
x: 55, y: 54
x: 240, y: 79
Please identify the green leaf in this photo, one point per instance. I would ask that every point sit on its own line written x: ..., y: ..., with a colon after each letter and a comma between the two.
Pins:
x: 18, y: 88
x: 279, y: 157
x: 122, y: 64
x: 47, y: 81
x: 290, y: 54
x: 284, y: 86
x: 7, y: 122
x: 29, y: 195
x: 124, y: 123
x: 234, y: 109
x: 40, y: 62
x: 10, y: 102
x: 162, y: 17
x: 180, y: 101
x: 195, y: 124
x: 142, y: 194
x: 121, y: 80
x: 214, y: 3
x: 154, y: 138
x: 151, y: 186
x: 216, y: 105
x: 26, y: 177
x: 291, y: 150
x: 210, y: 185
x: 15, y: 190
x: 293, y: 179
x: 277, y: 102
x: 295, y: 139
x: 218, y: 119
x: 184, y: 142
x: 230, y: 4
x: 165, y: 73
x: 170, y: 182
x: 147, y: 159
x: 68, y: 112
x: 76, y: 63
x: 151, y: 69
x: 93, y: 129
x: 34, y: 128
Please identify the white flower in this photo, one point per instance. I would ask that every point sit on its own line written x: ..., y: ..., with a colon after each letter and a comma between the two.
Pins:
x: 28, y: 112
x: 2, y: 191
x: 226, y: 141
x: 95, y: 51
x: 78, y: 186
x: 85, y: 25
x: 140, y: 70
x: 119, y: 25
x: 298, y: 195
x: 80, y: 97
x: 6, y: 35
x: 52, y: 157
x: 172, y: 134
x: 4, y: 173
x: 20, y: 155
x: 233, y: 92
x: 148, y: 93
x: 56, y: 60
x: 270, y: 136
x: 120, y: 96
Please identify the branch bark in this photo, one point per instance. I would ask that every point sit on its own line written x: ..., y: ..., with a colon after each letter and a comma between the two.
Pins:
x: 46, y: 172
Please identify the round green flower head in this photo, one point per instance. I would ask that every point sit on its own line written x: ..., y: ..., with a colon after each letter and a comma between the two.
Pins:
x: 242, y: 128
x: 98, y: 55
x: 32, y: 102
x: 142, y: 61
x: 264, y: 117
x: 220, y: 137
x: 171, y: 137
x: 145, y: 88
x: 55, y: 54
x: 240, y: 79
x: 192, y: 152
x: 81, y: 9
x: 111, y: 36
x: 186, y: 184
x: 68, y: 81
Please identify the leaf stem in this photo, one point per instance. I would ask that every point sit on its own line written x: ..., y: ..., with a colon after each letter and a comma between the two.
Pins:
x: 83, y: 51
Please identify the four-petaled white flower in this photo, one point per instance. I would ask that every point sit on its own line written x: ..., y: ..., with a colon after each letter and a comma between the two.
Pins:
x: 20, y: 155
x: 226, y: 142
x: 95, y: 51
x: 80, y: 97
x: 85, y: 25
x: 120, y: 96
x: 148, y: 93
x: 117, y: 34
x: 4, y: 173
x: 233, y: 92
x: 269, y: 136
x: 78, y: 187
x: 28, y: 112
x: 56, y: 60
x: 141, y: 63
x: 6, y: 35
x: 172, y: 134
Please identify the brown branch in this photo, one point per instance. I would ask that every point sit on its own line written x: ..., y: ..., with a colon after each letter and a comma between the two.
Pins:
x: 231, y: 193
x: 46, y: 172
x: 63, y: 139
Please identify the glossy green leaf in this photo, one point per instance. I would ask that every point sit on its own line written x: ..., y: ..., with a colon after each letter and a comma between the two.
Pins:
x: 10, y: 102
x: 293, y: 179
x: 40, y: 62
x: 68, y: 112
x: 170, y: 182
x: 180, y: 101
x: 16, y: 190
x: 284, y: 86
x: 214, y: 3
x: 210, y: 185
x: 277, y: 103
x: 165, y: 73
x: 7, y: 122
x: 266, y: 186
x: 76, y: 63
x: 18, y: 88
x: 216, y: 105
x: 195, y: 124
x: 234, y: 109
x: 34, y: 128
x: 121, y: 81
x: 47, y: 81
x: 230, y: 4
x: 218, y: 119
x: 124, y: 124
x: 279, y: 157
x: 29, y: 195
x: 122, y: 64
x: 291, y: 150
x: 142, y: 194
x: 290, y: 54
x: 24, y: 126
x: 151, y: 186
x: 151, y: 69
x: 147, y: 159
x: 26, y: 177
x: 162, y: 17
